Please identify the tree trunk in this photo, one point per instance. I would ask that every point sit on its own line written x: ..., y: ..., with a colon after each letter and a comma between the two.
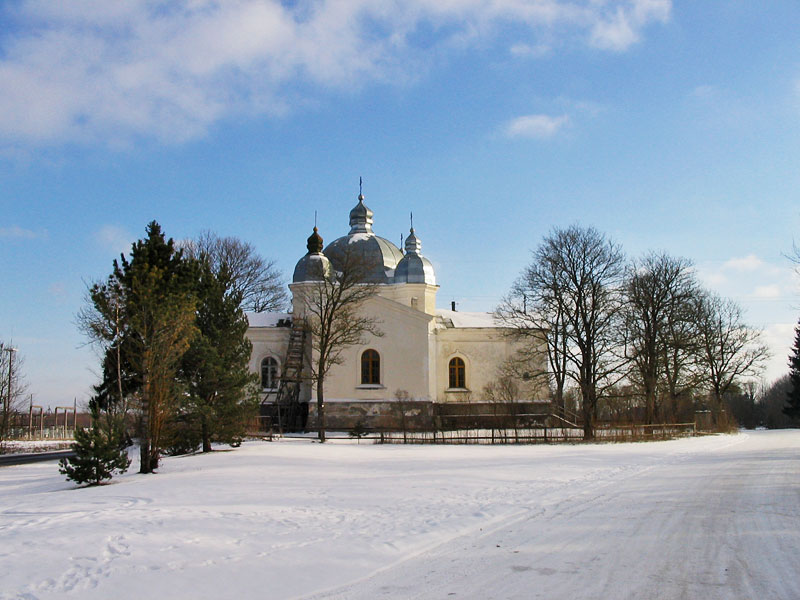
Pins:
x: 589, y: 406
x: 320, y: 411
x: 144, y: 455
x: 206, y: 435
x: 650, y: 401
x: 144, y: 433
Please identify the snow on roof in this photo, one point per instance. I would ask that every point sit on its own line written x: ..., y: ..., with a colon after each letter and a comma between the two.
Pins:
x: 267, y: 319
x: 359, y: 237
x: 469, y: 319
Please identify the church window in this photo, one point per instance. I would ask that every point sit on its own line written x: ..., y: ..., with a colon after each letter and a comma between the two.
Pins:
x: 458, y: 378
x: 269, y: 373
x: 370, y: 368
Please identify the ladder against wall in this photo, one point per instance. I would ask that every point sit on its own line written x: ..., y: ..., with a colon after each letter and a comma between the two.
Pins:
x: 289, y: 413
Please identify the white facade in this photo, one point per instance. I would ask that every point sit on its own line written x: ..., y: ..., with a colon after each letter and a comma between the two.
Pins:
x: 432, y: 354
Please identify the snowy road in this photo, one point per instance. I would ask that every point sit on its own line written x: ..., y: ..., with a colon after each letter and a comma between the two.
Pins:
x: 723, y: 523
x: 715, y: 517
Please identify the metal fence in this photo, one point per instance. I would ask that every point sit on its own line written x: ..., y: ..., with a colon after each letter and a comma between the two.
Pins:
x: 60, y: 432
x: 523, y: 435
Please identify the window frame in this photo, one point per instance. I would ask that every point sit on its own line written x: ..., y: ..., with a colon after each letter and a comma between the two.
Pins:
x: 371, y: 359
x: 275, y: 368
x: 457, y: 373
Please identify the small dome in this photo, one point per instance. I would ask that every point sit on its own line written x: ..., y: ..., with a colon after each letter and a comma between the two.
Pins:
x: 314, y: 266
x: 414, y: 268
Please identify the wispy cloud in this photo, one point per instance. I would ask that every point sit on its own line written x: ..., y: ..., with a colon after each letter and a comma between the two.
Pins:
x: 522, y: 50
x: 15, y: 232
x: 535, y: 126
x: 704, y: 92
x: 115, y: 72
x: 114, y: 238
x: 621, y: 27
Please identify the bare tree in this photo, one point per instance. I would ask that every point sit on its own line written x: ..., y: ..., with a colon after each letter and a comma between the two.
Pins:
x: 729, y: 349
x: 795, y: 257
x: 257, y: 279
x: 658, y: 291
x: 584, y: 276
x: 504, y: 393
x: 536, y: 315
x: 332, y: 307
x: 12, y: 385
x: 680, y: 352
x: 102, y: 321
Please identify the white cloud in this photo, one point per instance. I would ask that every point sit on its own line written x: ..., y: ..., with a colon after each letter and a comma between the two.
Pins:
x: 15, y: 232
x: 114, y: 238
x: 744, y: 264
x: 621, y: 26
x: 712, y: 279
x: 535, y: 126
x: 114, y: 72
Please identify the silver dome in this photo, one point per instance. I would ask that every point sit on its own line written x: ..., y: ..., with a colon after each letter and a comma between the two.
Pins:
x: 414, y: 268
x: 314, y: 266
x: 379, y: 256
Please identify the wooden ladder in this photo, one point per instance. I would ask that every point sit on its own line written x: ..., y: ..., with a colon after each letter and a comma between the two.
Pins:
x: 290, y: 415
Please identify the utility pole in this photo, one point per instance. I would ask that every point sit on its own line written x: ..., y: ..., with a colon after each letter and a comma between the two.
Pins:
x: 7, y: 405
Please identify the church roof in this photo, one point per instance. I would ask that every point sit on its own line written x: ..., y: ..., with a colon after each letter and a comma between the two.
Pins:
x: 460, y: 319
x: 269, y: 319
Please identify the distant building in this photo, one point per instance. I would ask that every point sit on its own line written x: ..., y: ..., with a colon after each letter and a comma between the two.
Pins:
x: 433, y: 354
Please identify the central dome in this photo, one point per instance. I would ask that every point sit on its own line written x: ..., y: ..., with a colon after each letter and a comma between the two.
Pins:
x: 379, y: 257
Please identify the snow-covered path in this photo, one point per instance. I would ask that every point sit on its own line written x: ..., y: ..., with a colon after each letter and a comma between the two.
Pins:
x: 715, y: 517
x: 721, y: 523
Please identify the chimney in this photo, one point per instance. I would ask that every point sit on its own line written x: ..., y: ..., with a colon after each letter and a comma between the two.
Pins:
x: 453, y: 306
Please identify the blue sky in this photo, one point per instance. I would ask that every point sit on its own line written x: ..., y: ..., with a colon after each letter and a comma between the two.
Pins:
x: 668, y: 125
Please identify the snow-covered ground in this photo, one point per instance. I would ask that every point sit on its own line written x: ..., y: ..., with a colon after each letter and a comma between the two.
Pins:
x: 31, y: 446
x: 712, y: 517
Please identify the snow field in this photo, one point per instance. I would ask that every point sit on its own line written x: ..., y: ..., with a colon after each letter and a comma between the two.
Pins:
x: 716, y: 517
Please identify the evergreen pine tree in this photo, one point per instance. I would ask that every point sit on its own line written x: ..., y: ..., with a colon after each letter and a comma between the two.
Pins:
x: 145, y: 314
x: 100, y: 451
x: 793, y: 407
x: 220, y: 389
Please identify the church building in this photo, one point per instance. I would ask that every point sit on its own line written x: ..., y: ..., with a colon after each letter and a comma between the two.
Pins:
x: 425, y: 355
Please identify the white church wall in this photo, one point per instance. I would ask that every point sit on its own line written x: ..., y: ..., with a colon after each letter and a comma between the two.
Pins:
x: 483, y: 350
x: 403, y: 350
x: 267, y: 341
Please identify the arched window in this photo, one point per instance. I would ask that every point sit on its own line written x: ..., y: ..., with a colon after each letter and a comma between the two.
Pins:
x: 458, y: 373
x: 370, y: 368
x: 269, y: 373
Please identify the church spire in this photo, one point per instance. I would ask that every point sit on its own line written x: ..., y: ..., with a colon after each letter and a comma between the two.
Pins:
x: 413, y: 245
x: 361, y: 215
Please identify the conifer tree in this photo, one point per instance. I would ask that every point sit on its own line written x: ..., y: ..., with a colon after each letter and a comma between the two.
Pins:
x: 99, y: 452
x: 144, y: 315
x: 221, y: 392
x: 793, y: 407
